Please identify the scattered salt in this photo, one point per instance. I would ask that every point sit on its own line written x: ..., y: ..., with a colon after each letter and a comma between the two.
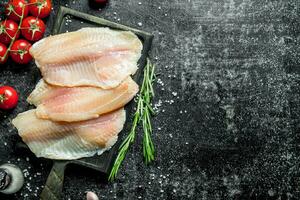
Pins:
x: 140, y: 24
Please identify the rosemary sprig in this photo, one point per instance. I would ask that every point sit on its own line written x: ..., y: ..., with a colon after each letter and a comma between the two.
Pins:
x: 148, y: 93
x: 126, y: 143
x: 143, y: 113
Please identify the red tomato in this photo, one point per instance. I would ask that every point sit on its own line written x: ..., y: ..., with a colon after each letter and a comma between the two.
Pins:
x: 98, y: 3
x: 3, y: 50
x: 33, y: 28
x: 20, y: 52
x: 8, y: 29
x: 8, y: 97
x: 101, y: 1
x: 40, y: 8
x: 14, y: 9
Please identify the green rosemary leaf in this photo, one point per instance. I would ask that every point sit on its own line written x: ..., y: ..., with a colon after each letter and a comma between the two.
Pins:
x: 143, y: 114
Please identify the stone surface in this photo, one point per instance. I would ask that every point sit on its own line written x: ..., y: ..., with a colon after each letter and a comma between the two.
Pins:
x: 227, y: 98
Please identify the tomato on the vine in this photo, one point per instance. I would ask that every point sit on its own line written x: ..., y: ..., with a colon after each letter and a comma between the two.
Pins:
x: 8, y: 97
x: 14, y: 9
x: 19, y: 51
x: 3, y: 55
x: 33, y: 28
x: 40, y: 8
x: 8, y: 29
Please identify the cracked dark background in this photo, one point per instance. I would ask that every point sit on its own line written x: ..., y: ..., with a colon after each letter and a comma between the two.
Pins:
x: 227, y: 98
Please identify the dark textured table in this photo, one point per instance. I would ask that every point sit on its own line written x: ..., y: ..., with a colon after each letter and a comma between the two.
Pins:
x: 227, y: 98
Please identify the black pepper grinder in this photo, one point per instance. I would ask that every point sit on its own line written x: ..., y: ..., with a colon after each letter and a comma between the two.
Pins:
x: 11, y: 179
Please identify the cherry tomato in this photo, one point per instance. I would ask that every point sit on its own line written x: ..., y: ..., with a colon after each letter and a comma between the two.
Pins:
x: 33, y: 28
x: 8, y: 29
x: 98, y: 3
x: 8, y: 97
x: 40, y: 8
x: 20, y: 51
x: 14, y: 9
x: 3, y: 50
x: 102, y: 2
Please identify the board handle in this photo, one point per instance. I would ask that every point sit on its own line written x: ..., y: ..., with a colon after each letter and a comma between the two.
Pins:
x: 55, y: 180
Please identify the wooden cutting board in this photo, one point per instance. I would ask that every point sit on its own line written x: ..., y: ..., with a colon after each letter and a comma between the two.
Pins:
x: 72, y: 20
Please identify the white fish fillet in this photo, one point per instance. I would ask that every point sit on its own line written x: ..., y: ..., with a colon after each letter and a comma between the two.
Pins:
x: 69, y: 141
x: 98, y: 57
x: 79, y: 103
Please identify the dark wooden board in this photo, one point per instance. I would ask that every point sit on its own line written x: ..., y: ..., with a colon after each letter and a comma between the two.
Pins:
x: 72, y: 20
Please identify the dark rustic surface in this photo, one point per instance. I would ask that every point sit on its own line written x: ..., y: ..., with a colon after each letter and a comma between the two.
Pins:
x: 227, y: 96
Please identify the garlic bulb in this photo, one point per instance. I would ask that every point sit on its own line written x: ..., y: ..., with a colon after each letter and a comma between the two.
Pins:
x: 11, y: 179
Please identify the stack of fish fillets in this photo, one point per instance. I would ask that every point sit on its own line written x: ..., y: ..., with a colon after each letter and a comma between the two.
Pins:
x: 79, y: 101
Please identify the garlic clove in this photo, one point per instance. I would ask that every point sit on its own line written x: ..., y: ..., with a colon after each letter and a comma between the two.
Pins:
x: 91, y: 196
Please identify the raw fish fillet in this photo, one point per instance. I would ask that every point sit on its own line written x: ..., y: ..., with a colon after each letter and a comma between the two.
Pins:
x: 90, y: 56
x: 67, y: 141
x: 79, y: 103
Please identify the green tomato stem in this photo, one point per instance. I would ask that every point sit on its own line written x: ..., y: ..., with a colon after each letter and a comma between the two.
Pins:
x: 14, y: 38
